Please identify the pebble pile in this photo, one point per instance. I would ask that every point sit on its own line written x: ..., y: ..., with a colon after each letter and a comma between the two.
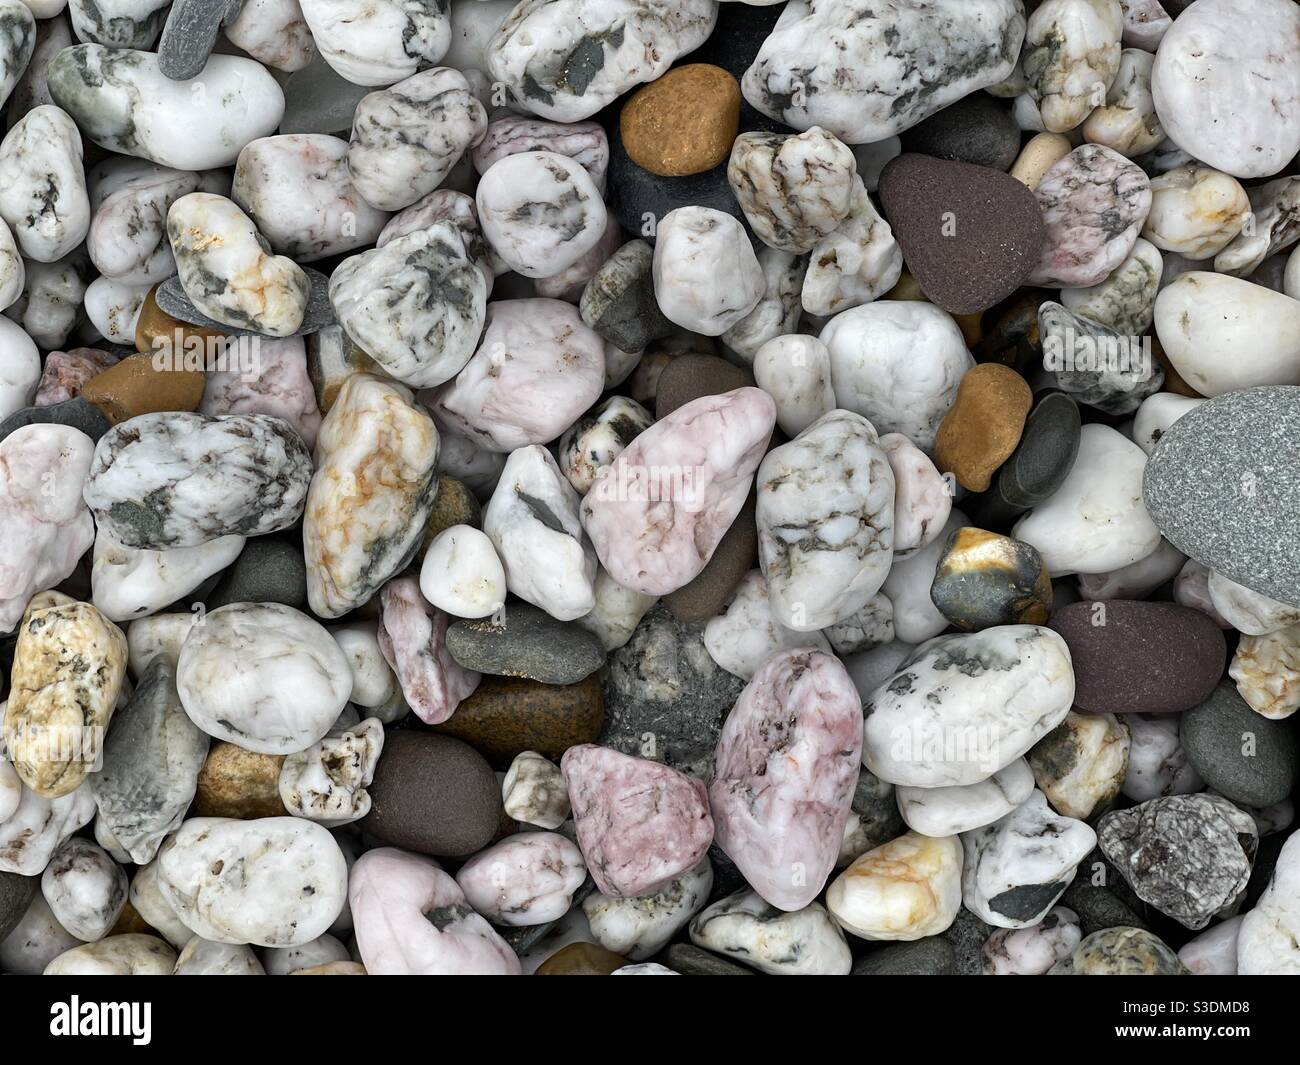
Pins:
x: 650, y: 487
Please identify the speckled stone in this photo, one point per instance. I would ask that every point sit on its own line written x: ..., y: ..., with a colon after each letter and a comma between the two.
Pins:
x: 1246, y: 758
x: 971, y: 235
x: 1141, y: 657
x: 268, y: 570
x: 984, y: 579
x: 619, y: 301
x: 665, y: 697
x: 238, y: 783
x: 1223, y: 490
x: 705, y: 596
x: 967, y: 936
x: 529, y: 643
x: 433, y: 795
x: 1120, y: 952
x: 981, y: 430
x: 507, y: 716
x: 684, y: 122
x: 976, y: 129
x: 1097, y: 907
x: 16, y: 894
x: 932, y: 956
x: 454, y: 504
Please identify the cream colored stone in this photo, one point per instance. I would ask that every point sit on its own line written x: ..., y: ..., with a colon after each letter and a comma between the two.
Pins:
x: 1195, y: 211
x: 1039, y: 156
x: 1267, y: 672
x: 907, y: 889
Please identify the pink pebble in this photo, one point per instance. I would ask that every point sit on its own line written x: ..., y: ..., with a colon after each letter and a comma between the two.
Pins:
x: 413, y: 638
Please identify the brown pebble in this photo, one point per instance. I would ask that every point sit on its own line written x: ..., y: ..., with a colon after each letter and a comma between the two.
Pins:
x: 332, y: 968
x: 144, y: 384
x: 238, y: 783
x: 507, y: 716
x: 684, y: 123
x: 984, y: 425
x: 453, y: 505
x: 689, y: 377
x: 705, y: 596
x: 581, y: 959
x: 155, y: 327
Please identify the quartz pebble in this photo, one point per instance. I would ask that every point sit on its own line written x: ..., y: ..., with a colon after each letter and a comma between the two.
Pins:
x: 85, y: 889
x: 806, y: 942
x: 1033, y: 950
x: 1081, y: 765
x: 952, y: 810
x: 638, y: 928
x: 907, y: 889
x: 326, y: 782
x: 706, y: 276
x: 412, y: 636
x: 534, y: 791
x: 378, y: 43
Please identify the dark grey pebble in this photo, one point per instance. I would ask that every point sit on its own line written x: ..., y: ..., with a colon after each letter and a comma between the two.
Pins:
x: 172, y: 300
x: 1245, y: 757
x: 527, y: 643
x: 932, y: 956
x: 75, y: 412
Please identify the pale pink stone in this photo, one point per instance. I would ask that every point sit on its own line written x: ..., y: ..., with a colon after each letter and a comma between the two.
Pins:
x: 527, y: 879
x: 537, y: 368
x: 45, y: 526
x: 264, y: 376
x: 640, y: 824
x: 584, y: 142
x: 784, y: 774
x: 66, y: 374
x: 1094, y: 203
x: 413, y: 638
x: 411, y: 919
x: 444, y: 205
x: 658, y: 511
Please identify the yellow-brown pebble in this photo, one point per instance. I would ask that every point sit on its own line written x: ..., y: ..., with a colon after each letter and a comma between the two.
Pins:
x: 1038, y: 157
x: 984, y: 579
x: 684, y: 123
x: 332, y: 968
x: 155, y: 327
x: 144, y: 384
x: 581, y: 959
x: 238, y: 783
x: 984, y: 425
x: 69, y: 662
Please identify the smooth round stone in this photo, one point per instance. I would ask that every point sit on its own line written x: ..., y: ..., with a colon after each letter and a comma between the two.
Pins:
x: 983, y: 580
x: 581, y: 959
x: 433, y: 795
x: 706, y: 275
x: 1214, y: 951
x: 1248, y: 611
x: 1041, y: 461
x: 124, y: 955
x: 597, y: 438
x: 268, y: 570
x: 317, y: 315
x: 1267, y: 671
x: 1157, y: 414
x: 1071, y: 54
x: 1227, y: 88
x: 529, y: 644
x: 1127, y: 121
x: 1195, y: 211
x: 506, y: 716
x: 682, y: 123
x: 1245, y: 757
x: 1157, y: 763
x: 84, y: 888
x: 1268, y: 937
x: 909, y: 888
x: 1137, y: 657
x: 1125, y: 301
x: 807, y: 942
x: 619, y: 300
x: 1081, y: 764
x: 77, y: 413
x: 527, y: 879
x: 292, y: 683
x: 970, y: 234
x: 932, y: 956
x: 189, y: 34
x: 1222, y: 490
x: 976, y: 129
x: 692, y: 376
x: 381, y: 42
x: 984, y: 424
x: 454, y: 504
x: 962, y: 808
x: 1032, y: 951
x: 640, y: 927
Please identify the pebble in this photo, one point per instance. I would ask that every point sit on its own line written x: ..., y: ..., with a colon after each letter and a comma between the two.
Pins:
x: 778, y: 311
x: 268, y: 570
x: 84, y: 888
x: 188, y: 35
x: 983, y: 579
x: 1237, y: 515
x: 1038, y: 156
x: 533, y: 792
x: 128, y: 583
x: 1096, y: 520
x: 1072, y: 48
x: 317, y: 99
x: 748, y: 633
x: 528, y: 643
x: 1125, y: 301
x: 1189, y: 856
x: 298, y: 192
x: 1196, y: 211
x: 273, y: 32
x: 971, y: 235
x: 780, y: 816
x: 640, y: 824
x: 121, y: 100
x: 43, y: 186
x: 619, y: 301
x: 916, y: 618
x: 124, y: 955
x: 898, y: 364
x: 706, y: 275
x: 1266, y: 940
x: 617, y: 612
x: 1127, y: 121
x: 1157, y: 763
x: 528, y: 879
x: 239, y: 783
x: 327, y: 782
x: 585, y: 143
x: 1094, y: 205
x: 952, y: 810
x: 962, y: 707
x: 807, y: 942
x: 35, y: 941
x: 412, y: 636
x: 1138, y: 657
x: 795, y: 370
x: 1273, y: 210
x: 432, y: 795
x: 975, y: 130
x: 922, y: 497
x: 16, y: 894
x: 1248, y: 611
x: 1017, y: 867
x: 858, y: 263
x: 1244, y: 73
x: 582, y: 959
x: 712, y: 446
x: 693, y: 375
x: 413, y: 919
x: 533, y: 521
x: 596, y: 439
x: 638, y: 928
x: 682, y: 123
x: 378, y: 43
x: 1080, y: 766
x: 1033, y: 950
x: 462, y: 575
x: 69, y: 662
x: 1246, y: 758
x: 983, y: 425
x: 932, y: 956
x: 1094, y: 364
x: 153, y: 755
x: 506, y: 716
x: 1267, y: 672
x: 907, y: 889
x: 690, y: 960
x: 865, y: 74
x: 300, y: 675
x: 825, y: 522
